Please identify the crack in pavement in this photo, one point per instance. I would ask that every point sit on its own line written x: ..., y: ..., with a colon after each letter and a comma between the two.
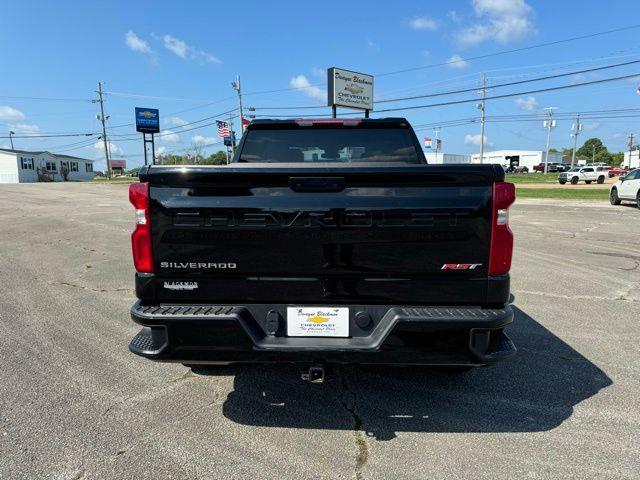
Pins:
x: 620, y: 297
x: 99, y: 290
x: 362, y: 452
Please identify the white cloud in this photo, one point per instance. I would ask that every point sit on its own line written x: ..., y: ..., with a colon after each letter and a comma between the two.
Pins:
x: 527, y: 103
x: 422, y: 23
x: 591, y: 126
x: 161, y: 151
x: 199, y: 139
x: 169, y: 136
x: 137, y: 44
x: 504, y: 21
x: 456, y: 61
x: 113, y: 148
x: 373, y: 46
x: 25, y: 128
x: 302, y: 84
x: 10, y: 113
x: 475, y: 140
x: 175, y: 121
x: 183, y: 50
x: 453, y: 16
x: 175, y: 45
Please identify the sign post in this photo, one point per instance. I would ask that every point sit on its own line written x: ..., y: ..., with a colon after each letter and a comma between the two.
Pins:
x: 349, y: 89
x: 148, y: 122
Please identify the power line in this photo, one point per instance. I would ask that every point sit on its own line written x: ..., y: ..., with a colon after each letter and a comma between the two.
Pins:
x: 509, y: 84
x: 47, y: 99
x: 467, y: 59
x: 506, y: 52
x: 474, y: 89
x: 507, y: 95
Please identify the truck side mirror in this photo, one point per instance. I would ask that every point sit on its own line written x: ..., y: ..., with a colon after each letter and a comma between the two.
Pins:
x: 622, y: 177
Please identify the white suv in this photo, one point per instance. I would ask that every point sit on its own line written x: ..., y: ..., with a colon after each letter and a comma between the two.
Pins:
x: 587, y: 174
x: 626, y: 188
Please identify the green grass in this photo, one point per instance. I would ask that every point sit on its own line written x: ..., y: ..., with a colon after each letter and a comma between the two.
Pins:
x: 532, y: 178
x: 565, y: 193
x: 115, y: 180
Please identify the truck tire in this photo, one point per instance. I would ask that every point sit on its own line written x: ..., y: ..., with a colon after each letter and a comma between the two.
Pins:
x: 601, y: 179
x: 613, y: 197
x: 574, y: 181
x: 588, y: 182
x: 638, y: 199
x: 562, y: 182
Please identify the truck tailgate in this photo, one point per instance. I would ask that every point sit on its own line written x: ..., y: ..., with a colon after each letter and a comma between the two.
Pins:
x: 331, y: 234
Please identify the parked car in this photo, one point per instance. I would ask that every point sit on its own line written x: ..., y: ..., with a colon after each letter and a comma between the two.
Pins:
x: 585, y: 174
x: 514, y: 169
x: 551, y: 167
x: 563, y: 167
x: 626, y: 188
x: 306, y: 250
x: 617, y: 171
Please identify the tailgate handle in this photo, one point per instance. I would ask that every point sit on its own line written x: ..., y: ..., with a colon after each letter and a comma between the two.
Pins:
x: 317, y: 184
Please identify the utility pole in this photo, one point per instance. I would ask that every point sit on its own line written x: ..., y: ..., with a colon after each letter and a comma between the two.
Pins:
x: 11, y: 132
x: 631, y: 135
x: 549, y: 124
x: 437, y: 142
x: 593, y: 154
x: 237, y: 87
x: 104, y: 130
x: 577, y: 128
x: 232, y: 134
x: 481, y: 106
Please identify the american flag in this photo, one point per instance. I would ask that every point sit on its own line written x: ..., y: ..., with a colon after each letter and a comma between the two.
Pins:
x: 223, y: 128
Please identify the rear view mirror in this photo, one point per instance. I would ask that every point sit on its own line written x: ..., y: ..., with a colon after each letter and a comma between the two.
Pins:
x: 622, y: 177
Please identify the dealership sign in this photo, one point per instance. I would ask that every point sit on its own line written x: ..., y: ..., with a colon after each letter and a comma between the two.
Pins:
x: 350, y: 89
x: 147, y: 120
x: 118, y: 163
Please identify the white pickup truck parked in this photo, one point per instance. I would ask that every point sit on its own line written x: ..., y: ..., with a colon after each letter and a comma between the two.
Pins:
x: 586, y: 174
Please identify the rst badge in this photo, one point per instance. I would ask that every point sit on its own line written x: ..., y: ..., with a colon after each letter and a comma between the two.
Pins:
x: 460, y: 266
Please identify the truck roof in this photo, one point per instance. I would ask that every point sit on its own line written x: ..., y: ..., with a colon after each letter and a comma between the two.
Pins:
x: 356, y: 121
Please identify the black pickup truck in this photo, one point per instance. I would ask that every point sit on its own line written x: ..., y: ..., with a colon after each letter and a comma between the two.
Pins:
x: 325, y: 241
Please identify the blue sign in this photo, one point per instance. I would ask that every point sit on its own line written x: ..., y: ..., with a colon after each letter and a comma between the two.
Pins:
x: 147, y: 120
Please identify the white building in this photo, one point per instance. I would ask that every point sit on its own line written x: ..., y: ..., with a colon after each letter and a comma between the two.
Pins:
x: 519, y: 158
x: 22, y: 166
x: 440, y: 157
x: 631, y: 159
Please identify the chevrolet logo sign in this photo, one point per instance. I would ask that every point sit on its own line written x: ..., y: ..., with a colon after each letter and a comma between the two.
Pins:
x: 147, y: 114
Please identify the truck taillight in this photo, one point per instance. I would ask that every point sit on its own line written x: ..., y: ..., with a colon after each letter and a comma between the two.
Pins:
x: 501, y: 249
x: 141, y: 236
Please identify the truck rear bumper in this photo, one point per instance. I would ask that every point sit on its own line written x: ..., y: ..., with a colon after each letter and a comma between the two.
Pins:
x: 400, y: 335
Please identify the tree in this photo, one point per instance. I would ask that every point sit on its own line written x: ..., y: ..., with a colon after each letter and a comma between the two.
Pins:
x: 587, y: 149
x: 218, y: 158
x: 617, y: 158
x: 603, y: 157
x: 553, y: 150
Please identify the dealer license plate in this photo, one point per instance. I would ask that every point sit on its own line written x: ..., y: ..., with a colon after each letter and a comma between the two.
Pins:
x: 317, y: 321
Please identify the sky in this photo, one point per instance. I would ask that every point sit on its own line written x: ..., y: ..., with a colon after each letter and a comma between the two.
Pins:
x: 181, y: 57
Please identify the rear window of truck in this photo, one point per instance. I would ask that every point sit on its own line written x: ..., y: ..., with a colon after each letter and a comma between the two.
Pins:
x: 340, y: 144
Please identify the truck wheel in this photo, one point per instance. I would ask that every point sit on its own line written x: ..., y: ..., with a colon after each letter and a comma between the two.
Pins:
x: 638, y: 199
x: 562, y: 182
x: 574, y: 181
x: 601, y: 179
x: 613, y: 197
x: 588, y: 182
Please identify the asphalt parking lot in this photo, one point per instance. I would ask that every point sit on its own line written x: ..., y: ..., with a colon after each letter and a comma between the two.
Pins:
x: 75, y: 404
